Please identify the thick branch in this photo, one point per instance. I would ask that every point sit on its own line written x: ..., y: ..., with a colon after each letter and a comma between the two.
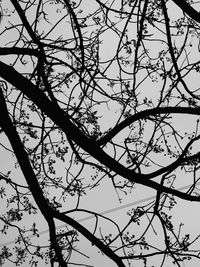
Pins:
x: 21, y: 155
x: 188, y: 9
x: 35, y: 189
x: 18, y: 51
x: 59, y: 117
x: 25, y: 22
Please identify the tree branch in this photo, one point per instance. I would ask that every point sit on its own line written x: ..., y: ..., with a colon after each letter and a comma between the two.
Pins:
x: 188, y: 9
x: 59, y: 117
x: 35, y: 189
x: 144, y: 115
x: 18, y: 51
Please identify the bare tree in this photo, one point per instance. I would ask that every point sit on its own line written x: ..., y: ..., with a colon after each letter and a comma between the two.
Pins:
x: 95, y: 91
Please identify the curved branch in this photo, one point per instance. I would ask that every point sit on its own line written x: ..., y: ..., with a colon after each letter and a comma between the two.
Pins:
x: 78, y: 30
x: 144, y: 115
x: 181, y: 159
